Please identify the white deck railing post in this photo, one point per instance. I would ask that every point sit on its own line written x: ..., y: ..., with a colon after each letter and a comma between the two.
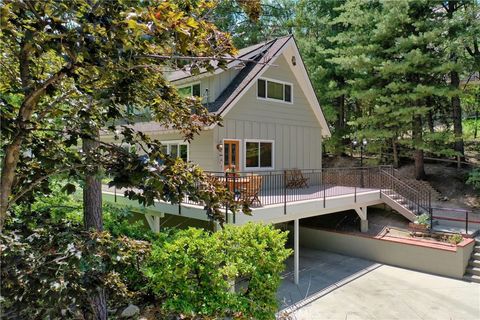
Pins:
x: 295, y: 250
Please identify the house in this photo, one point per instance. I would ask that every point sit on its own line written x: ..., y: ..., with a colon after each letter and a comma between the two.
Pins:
x: 272, y: 133
x: 271, y: 117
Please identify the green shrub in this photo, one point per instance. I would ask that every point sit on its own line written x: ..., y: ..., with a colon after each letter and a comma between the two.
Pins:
x: 474, y: 178
x: 455, y: 238
x: 195, y: 271
x: 120, y: 221
x: 49, y: 266
x: 423, y: 219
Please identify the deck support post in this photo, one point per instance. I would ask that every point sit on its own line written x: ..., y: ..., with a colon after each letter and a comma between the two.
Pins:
x: 296, y: 253
x: 362, y: 213
x: 153, y: 222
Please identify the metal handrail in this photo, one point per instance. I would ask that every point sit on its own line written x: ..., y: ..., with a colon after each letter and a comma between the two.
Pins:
x: 425, y: 204
x: 322, y: 184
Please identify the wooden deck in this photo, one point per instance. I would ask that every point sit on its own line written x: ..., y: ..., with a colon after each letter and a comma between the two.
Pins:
x: 277, y: 205
x: 271, y: 197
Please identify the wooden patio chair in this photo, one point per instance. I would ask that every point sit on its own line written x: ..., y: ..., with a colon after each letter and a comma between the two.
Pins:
x: 302, y: 182
x: 290, y: 180
x: 251, y: 191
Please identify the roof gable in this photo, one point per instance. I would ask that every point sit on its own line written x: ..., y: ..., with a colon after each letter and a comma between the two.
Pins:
x: 245, y: 79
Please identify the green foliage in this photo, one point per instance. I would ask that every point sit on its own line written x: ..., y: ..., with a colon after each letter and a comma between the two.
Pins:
x: 423, y: 219
x: 275, y: 20
x: 196, y: 272
x: 49, y: 266
x: 455, y: 238
x: 120, y: 221
x: 469, y: 128
x: 72, y: 68
x: 474, y: 178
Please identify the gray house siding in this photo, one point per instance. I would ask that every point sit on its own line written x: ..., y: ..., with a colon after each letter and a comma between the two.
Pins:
x: 201, y: 149
x: 214, y: 83
x: 293, y: 127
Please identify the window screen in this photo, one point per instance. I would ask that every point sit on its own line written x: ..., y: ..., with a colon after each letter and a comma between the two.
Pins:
x: 275, y: 90
x: 251, y: 159
x: 266, y: 154
x: 288, y: 93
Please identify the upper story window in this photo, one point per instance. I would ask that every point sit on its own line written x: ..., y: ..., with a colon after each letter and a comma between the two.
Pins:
x: 274, y: 90
x: 177, y: 149
x: 191, y: 90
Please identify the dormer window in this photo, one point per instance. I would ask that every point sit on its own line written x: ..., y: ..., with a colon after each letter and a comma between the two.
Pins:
x: 191, y: 90
x: 274, y: 90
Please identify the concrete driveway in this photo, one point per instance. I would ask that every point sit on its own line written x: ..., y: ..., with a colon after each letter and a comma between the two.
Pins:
x: 334, y: 286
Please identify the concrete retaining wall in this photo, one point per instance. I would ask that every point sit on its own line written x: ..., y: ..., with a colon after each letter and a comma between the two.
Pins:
x: 450, y: 261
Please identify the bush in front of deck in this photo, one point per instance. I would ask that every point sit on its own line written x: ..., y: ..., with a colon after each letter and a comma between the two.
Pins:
x: 198, y: 274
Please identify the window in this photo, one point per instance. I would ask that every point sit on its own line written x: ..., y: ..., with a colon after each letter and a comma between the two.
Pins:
x: 176, y: 149
x: 274, y: 90
x: 192, y: 90
x: 258, y: 154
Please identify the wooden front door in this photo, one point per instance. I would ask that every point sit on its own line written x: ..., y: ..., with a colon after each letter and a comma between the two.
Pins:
x: 231, y: 154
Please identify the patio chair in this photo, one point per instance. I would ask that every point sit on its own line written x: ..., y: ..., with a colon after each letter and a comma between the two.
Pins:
x: 290, y: 180
x: 302, y: 182
x: 250, y: 192
x: 295, y: 179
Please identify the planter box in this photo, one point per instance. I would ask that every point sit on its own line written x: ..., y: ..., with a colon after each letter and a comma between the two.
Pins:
x: 418, y: 227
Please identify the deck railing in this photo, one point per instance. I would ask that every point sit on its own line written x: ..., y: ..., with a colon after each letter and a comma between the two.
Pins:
x: 419, y: 201
x: 263, y: 188
x: 284, y: 186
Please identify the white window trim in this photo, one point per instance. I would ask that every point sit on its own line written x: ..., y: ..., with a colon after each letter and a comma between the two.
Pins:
x: 191, y: 87
x: 245, y: 168
x: 177, y: 142
x: 266, y: 90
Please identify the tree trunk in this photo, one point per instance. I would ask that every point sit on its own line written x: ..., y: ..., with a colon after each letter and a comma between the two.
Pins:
x: 431, y: 126
x: 475, y: 128
x: 9, y: 164
x: 92, y: 217
x: 457, y: 115
x: 92, y: 192
x: 395, y: 153
x: 418, y: 153
x: 98, y: 305
x: 340, y: 124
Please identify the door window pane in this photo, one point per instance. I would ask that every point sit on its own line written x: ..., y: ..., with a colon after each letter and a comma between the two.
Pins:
x: 226, y: 153
x: 266, y: 154
x: 288, y: 93
x: 234, y: 155
x: 251, y: 156
x: 261, y: 88
x: 275, y: 90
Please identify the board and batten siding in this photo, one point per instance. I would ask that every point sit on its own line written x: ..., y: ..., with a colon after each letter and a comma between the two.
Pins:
x: 214, y: 83
x: 201, y: 149
x: 293, y: 126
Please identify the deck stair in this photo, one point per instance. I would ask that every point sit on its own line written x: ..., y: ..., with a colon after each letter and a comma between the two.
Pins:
x: 404, y: 196
x: 420, y: 184
x: 472, y: 273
